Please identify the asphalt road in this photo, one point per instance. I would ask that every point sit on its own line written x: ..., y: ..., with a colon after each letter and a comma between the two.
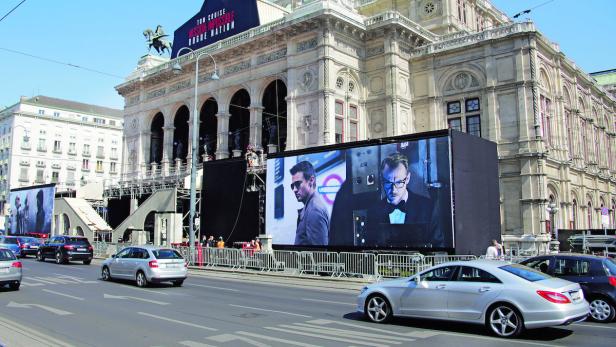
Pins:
x: 68, y: 305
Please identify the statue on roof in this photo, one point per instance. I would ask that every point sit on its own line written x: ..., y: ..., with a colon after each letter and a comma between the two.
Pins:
x: 156, y: 39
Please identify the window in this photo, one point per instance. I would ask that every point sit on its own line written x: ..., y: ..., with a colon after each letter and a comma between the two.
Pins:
x: 339, y: 122
x: 86, y: 149
x: 112, y: 167
x: 571, y: 267
x: 569, y: 133
x: 71, y: 148
x: 84, y: 119
x: 85, y: 164
x: 40, y: 176
x: 23, y: 174
x: 114, y: 153
x: 100, y: 121
x: 112, y: 122
x: 55, y: 177
x: 541, y: 264
x: 99, y: 166
x: 439, y: 274
x: 525, y: 272
x: 589, y: 215
x: 574, y: 208
x: 471, y: 274
x: 584, y: 144
x: 56, y: 114
x: 57, y: 146
x: 100, y: 152
x: 467, y: 119
x: 42, y: 146
x: 41, y: 112
x: 70, y: 178
x: 353, y: 123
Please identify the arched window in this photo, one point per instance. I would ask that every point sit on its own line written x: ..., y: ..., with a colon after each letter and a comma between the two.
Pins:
x: 346, y: 110
x: 589, y: 215
x: 574, y: 209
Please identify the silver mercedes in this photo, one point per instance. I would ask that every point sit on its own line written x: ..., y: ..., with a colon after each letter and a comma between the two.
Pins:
x: 507, y: 298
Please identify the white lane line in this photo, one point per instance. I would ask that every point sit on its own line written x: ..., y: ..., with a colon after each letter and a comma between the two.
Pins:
x: 40, y: 280
x: 120, y: 297
x: 269, y: 338
x: 194, y: 344
x: 344, y: 334
x: 62, y: 294
x: 140, y: 289
x: 320, y: 336
x: 594, y: 326
x: 263, y: 309
x: 76, y: 279
x: 28, y: 284
x: 329, y: 302
x: 176, y: 321
x: 362, y: 327
x: 353, y: 333
x: 211, y: 287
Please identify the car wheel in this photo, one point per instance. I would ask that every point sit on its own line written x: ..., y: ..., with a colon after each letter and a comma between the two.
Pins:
x: 178, y: 283
x: 378, y: 309
x: 87, y: 262
x: 505, y: 321
x: 39, y: 256
x: 601, y: 310
x: 142, y: 281
x: 59, y: 259
x: 105, y: 274
x: 14, y: 285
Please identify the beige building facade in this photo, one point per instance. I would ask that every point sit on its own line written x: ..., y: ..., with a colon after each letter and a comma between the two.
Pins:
x: 332, y: 71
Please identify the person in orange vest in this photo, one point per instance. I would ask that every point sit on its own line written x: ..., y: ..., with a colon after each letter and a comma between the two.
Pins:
x: 221, y: 243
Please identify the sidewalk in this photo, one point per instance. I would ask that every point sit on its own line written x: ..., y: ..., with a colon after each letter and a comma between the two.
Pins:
x: 14, y: 335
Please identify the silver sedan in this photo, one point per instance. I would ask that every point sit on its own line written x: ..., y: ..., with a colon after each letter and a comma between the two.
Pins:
x: 506, y: 297
x: 10, y: 269
x: 146, y: 264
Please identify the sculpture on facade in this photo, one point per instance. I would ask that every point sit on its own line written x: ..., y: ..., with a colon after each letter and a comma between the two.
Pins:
x: 157, y: 40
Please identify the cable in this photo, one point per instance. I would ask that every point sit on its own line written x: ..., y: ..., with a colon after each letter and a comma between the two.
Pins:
x: 60, y: 63
x: 13, y: 9
x: 532, y: 8
x: 239, y: 210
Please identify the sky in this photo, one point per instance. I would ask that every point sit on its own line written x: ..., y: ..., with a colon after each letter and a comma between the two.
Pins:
x: 106, y: 36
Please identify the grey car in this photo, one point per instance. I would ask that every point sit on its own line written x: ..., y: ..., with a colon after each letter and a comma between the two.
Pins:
x: 507, y: 298
x: 10, y: 269
x: 146, y: 264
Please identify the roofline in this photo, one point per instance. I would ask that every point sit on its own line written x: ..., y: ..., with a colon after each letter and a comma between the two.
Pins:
x: 602, y: 72
x: 74, y: 110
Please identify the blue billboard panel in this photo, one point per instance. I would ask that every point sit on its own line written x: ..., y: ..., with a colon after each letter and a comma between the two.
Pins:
x: 217, y: 20
x: 31, y: 210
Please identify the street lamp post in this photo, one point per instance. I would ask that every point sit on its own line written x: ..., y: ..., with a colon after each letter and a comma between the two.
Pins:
x: 195, y: 141
x: 552, y: 210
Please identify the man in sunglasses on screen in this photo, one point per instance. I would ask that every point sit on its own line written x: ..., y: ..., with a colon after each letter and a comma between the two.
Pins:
x: 313, y: 218
x: 401, y: 218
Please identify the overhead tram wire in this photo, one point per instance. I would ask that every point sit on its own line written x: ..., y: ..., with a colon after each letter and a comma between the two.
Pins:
x: 60, y: 62
x: 527, y: 11
x: 11, y: 11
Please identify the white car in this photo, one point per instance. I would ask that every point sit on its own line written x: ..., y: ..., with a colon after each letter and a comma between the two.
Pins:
x: 146, y: 264
x: 506, y: 297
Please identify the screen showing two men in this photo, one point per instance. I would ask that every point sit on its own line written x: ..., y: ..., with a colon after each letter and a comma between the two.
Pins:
x: 394, y: 195
x: 31, y: 210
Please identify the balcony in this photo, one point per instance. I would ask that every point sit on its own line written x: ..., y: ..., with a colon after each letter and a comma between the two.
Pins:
x: 23, y: 179
x: 41, y: 149
x: 57, y: 150
x: 72, y: 152
x: 26, y: 146
x: 100, y: 155
x: 86, y: 154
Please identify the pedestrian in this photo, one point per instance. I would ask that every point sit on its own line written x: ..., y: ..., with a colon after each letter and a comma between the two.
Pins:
x: 256, y: 246
x: 221, y: 243
x: 210, y: 242
x: 204, y: 242
x: 494, y: 251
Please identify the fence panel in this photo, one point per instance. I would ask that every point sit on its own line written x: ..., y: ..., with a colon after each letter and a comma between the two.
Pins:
x: 307, y: 264
x: 359, y: 264
x: 291, y: 260
x: 328, y: 262
x: 399, y: 265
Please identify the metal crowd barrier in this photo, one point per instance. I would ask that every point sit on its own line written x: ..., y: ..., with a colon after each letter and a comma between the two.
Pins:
x: 399, y: 265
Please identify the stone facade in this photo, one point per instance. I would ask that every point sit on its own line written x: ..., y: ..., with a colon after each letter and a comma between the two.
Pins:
x: 355, y: 70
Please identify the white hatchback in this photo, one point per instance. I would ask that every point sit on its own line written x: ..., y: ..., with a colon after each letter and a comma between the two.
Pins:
x: 146, y: 264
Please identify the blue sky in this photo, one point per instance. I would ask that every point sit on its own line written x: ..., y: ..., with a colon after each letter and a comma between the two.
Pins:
x: 107, y: 36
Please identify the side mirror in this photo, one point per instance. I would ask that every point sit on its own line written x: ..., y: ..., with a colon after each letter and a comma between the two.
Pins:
x: 113, y: 255
x: 417, y: 279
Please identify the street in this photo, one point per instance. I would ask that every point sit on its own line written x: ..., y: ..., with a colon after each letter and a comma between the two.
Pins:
x: 68, y: 305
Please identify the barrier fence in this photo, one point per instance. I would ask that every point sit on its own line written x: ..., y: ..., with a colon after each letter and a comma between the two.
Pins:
x: 300, y: 263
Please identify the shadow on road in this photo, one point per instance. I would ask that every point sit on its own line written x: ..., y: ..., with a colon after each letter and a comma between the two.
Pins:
x: 544, y: 334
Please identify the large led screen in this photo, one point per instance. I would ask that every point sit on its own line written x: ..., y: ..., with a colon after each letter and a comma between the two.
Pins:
x: 31, y: 210
x: 395, y: 195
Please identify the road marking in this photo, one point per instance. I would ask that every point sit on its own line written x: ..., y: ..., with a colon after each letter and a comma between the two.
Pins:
x: 211, y: 287
x: 34, y: 334
x: 120, y: 297
x: 332, y: 338
x: 176, y: 321
x: 56, y: 311
x: 141, y: 289
x: 594, y: 326
x: 228, y: 338
x: 62, y: 294
x: 330, y: 302
x: 194, y: 344
x: 263, y: 309
x: 28, y: 284
x: 76, y: 279
x: 269, y: 338
x: 41, y: 280
x: 362, y: 327
x: 353, y: 333
x: 346, y: 334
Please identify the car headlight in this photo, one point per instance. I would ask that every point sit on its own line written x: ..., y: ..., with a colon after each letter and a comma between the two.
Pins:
x: 363, y: 290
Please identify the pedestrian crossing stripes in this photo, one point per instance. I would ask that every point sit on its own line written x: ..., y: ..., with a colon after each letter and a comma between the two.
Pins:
x: 38, y: 281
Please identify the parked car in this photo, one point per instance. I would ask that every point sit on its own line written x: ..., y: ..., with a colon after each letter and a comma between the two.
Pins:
x: 28, y: 246
x: 65, y: 249
x: 596, y: 276
x: 145, y: 264
x: 507, y: 298
x: 10, y: 269
x: 10, y: 242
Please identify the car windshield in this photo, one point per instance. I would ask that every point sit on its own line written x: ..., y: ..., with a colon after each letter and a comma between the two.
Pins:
x: 525, y: 272
x: 10, y: 240
x: 77, y: 241
x: 610, y: 265
x: 5, y: 254
x: 166, y: 254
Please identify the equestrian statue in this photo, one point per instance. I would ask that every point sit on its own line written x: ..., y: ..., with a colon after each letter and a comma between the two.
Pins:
x: 157, y: 40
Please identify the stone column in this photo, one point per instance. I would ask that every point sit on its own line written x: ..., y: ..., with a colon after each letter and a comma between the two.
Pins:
x: 167, y: 148
x: 222, y: 148
x: 146, y: 137
x: 256, y: 126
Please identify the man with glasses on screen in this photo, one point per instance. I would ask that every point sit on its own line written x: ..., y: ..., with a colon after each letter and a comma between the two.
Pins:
x: 313, y: 219
x: 401, y: 218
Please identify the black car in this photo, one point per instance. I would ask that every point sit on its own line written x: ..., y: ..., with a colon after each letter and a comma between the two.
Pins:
x: 66, y: 248
x: 28, y: 246
x: 596, y: 276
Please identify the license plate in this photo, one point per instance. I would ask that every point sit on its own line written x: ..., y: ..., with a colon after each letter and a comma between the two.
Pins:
x: 34, y: 247
x: 81, y: 249
x: 5, y: 270
x: 575, y: 295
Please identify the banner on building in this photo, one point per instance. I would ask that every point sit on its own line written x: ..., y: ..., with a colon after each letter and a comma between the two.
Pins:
x: 31, y: 210
x: 217, y: 20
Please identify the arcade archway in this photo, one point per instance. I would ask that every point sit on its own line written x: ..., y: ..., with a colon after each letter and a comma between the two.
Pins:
x: 275, y: 115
